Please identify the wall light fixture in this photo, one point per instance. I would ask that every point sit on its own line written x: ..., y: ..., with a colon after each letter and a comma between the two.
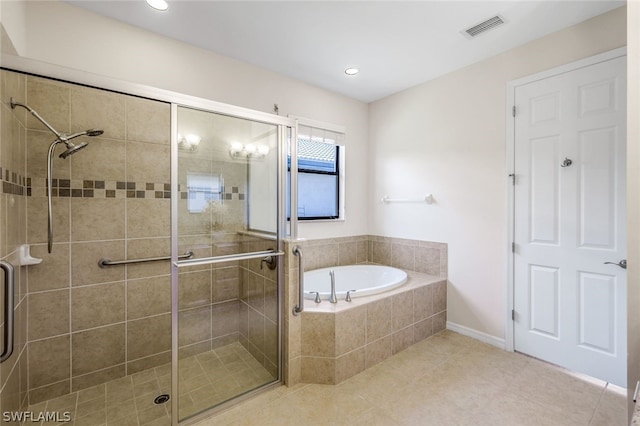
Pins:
x: 189, y: 142
x: 250, y: 150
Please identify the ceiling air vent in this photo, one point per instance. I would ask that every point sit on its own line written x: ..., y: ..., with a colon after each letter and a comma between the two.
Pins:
x: 483, y: 26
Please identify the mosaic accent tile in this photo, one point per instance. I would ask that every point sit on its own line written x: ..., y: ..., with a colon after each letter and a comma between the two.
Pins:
x: 13, y: 183
x: 225, y: 196
x: 96, y: 188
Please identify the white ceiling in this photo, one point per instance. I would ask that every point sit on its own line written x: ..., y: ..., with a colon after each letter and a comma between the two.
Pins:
x: 396, y: 44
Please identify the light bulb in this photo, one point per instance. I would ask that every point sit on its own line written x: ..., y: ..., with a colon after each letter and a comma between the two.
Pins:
x: 158, y: 4
x: 192, y: 139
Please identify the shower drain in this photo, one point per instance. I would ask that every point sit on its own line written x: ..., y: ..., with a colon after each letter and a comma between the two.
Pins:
x: 161, y: 399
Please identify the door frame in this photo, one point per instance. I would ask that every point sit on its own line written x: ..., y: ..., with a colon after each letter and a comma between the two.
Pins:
x: 511, y: 176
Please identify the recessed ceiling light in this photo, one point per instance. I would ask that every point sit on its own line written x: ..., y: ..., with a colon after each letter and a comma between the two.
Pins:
x: 158, y: 4
x: 351, y: 71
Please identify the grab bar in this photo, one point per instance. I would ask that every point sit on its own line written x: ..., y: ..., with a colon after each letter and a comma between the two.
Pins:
x: 105, y: 261
x: 227, y: 258
x: 297, y: 310
x: 9, y: 281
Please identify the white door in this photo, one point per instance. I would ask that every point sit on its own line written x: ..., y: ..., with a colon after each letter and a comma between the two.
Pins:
x: 570, y: 305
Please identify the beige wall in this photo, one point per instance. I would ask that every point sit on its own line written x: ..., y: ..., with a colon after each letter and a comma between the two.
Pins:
x: 120, y: 51
x: 448, y: 137
x: 633, y: 196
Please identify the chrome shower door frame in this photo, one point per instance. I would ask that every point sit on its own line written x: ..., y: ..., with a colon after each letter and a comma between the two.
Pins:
x: 285, y: 126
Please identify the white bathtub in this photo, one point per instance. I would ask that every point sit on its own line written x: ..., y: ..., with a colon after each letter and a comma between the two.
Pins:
x: 364, y: 279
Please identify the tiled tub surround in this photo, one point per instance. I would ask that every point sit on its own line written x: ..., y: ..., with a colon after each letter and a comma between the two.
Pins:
x: 426, y: 264
x: 88, y: 325
x: 343, y: 339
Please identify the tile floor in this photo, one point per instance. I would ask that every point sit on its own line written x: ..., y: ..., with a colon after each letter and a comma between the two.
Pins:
x: 206, y: 379
x: 447, y: 379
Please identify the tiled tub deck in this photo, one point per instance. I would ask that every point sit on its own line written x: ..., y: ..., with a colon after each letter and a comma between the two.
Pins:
x: 343, y: 339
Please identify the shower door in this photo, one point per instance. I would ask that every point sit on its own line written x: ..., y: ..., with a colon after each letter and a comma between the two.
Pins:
x: 226, y: 254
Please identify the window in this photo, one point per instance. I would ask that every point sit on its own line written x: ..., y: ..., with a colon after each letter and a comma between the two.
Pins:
x: 203, y: 190
x: 319, y: 171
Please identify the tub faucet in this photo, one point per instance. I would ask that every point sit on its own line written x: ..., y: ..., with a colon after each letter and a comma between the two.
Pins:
x: 333, y: 298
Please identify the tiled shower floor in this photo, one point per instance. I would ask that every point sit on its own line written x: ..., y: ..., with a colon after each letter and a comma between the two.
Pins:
x: 206, y: 379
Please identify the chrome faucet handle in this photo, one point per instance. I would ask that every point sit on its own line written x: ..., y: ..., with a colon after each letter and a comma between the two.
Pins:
x: 317, y: 298
x: 348, y: 298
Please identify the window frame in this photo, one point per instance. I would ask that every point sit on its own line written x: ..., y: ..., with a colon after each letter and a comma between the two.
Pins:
x: 339, y: 173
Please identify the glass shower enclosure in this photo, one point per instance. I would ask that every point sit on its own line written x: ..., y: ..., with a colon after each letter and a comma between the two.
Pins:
x: 226, y: 248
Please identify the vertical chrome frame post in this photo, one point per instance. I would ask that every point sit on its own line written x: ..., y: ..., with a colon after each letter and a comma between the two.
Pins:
x: 281, y: 233
x: 293, y: 185
x: 175, y: 195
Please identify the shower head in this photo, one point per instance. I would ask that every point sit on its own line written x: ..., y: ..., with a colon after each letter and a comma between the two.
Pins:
x: 89, y: 132
x: 72, y: 149
x: 94, y: 132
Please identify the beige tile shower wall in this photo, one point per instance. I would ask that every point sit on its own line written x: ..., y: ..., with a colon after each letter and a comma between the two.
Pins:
x: 13, y: 372
x: 259, y: 306
x: 89, y: 324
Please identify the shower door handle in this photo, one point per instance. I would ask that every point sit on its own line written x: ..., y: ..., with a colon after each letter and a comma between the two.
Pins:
x: 9, y: 281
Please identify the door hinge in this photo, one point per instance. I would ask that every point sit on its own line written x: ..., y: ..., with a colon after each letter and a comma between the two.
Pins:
x: 513, y: 178
x: 513, y: 315
x: 513, y: 111
x: 513, y: 247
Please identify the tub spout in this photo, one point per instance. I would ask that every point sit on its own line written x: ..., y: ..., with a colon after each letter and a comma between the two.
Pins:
x: 333, y: 298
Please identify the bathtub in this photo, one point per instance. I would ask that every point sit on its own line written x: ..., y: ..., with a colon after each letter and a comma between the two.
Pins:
x: 364, y: 279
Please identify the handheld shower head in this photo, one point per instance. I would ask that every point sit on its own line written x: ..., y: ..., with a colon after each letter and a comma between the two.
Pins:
x: 90, y: 132
x: 72, y: 149
x: 94, y: 132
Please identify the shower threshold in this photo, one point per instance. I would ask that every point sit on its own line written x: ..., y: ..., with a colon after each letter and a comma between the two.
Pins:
x: 206, y: 380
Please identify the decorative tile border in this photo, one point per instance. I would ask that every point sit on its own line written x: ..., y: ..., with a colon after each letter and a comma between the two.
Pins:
x: 13, y: 183
x: 73, y: 188
x: 235, y: 194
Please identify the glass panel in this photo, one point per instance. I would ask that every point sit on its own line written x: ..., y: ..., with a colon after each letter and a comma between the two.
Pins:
x: 317, y: 195
x: 228, y: 312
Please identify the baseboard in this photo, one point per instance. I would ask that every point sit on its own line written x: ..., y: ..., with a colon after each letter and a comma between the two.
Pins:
x: 478, y: 335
